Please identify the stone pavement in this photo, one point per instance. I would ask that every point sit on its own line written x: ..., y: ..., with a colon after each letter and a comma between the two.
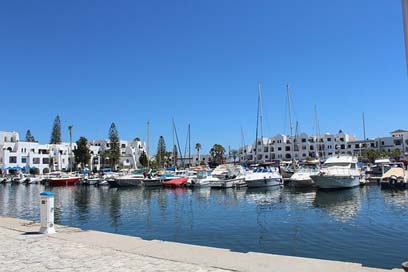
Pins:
x: 72, y: 249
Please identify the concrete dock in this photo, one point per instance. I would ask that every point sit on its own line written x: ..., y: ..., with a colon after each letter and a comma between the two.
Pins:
x: 72, y: 249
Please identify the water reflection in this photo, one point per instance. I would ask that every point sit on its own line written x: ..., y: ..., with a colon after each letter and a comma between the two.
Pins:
x: 342, y: 205
x: 273, y: 220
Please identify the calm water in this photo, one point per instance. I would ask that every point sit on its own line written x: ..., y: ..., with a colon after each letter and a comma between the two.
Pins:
x: 364, y: 225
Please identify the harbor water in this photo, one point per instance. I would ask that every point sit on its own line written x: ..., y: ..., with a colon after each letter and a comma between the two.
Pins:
x: 364, y: 225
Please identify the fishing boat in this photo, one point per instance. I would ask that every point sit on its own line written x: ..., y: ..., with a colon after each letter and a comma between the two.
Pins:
x: 263, y: 175
x: 338, y: 172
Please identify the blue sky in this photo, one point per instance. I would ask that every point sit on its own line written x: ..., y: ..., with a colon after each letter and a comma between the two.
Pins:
x: 199, y: 62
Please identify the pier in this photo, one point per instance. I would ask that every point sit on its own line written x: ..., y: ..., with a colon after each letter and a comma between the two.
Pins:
x: 73, y: 249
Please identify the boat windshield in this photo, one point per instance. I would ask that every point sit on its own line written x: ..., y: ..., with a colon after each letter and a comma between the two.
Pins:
x: 341, y: 164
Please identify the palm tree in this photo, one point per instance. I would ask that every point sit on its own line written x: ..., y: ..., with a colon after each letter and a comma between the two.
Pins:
x: 198, y: 147
x: 234, y: 154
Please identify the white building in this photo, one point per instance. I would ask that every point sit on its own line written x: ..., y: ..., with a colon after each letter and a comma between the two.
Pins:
x: 302, y: 146
x: 43, y: 158
x: 282, y: 147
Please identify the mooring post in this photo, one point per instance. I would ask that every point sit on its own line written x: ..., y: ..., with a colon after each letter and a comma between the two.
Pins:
x: 47, y: 212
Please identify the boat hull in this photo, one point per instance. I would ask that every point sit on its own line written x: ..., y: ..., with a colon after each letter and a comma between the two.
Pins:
x: 258, y: 183
x: 335, y: 182
x: 125, y: 182
x: 228, y: 183
x: 152, y: 182
x: 63, y: 181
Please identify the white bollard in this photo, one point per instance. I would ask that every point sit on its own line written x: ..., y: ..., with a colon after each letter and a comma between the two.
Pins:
x: 47, y: 212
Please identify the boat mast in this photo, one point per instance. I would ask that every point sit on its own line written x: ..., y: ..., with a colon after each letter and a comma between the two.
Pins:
x: 317, y: 133
x: 296, y: 139
x: 242, y: 145
x: 290, y: 112
x: 405, y: 17
x: 257, y: 123
x: 147, y: 143
x: 173, y: 146
x: 189, y: 145
x: 364, y: 128
x: 178, y: 144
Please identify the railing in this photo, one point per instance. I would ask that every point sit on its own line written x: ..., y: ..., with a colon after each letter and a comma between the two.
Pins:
x: 340, y: 172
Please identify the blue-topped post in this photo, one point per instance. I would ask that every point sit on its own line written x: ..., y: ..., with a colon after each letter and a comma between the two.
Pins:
x: 47, y: 212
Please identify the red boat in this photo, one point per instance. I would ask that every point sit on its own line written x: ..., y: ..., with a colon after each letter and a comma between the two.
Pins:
x: 63, y: 181
x: 177, y: 182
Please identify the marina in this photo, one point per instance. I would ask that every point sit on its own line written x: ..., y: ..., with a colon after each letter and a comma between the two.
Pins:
x: 361, y: 224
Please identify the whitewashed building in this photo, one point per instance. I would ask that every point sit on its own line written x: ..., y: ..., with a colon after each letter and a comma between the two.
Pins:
x: 283, y: 147
x: 43, y: 158
x: 300, y: 147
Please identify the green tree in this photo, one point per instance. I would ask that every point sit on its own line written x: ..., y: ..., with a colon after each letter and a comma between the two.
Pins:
x: 395, y: 154
x: 82, y: 153
x: 234, y: 155
x: 198, y: 148
x: 143, y: 159
x: 29, y: 137
x: 114, y: 150
x: 56, y: 131
x: 161, y: 152
x: 217, y: 154
x: 371, y: 154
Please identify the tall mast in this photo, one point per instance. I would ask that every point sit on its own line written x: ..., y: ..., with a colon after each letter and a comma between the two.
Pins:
x: 257, y: 124
x: 317, y: 132
x: 364, y: 128
x: 173, y: 145
x: 242, y: 144
x: 189, y: 145
x: 178, y: 144
x: 147, y: 143
x: 290, y: 112
x: 405, y: 17
x: 260, y: 108
x: 296, y: 139
x: 70, y: 147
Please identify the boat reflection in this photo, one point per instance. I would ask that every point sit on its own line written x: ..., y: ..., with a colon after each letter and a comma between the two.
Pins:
x: 342, y: 205
x: 264, y: 195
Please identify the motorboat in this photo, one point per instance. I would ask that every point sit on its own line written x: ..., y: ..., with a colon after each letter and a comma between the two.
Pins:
x: 129, y: 180
x: 396, y: 177
x: 63, y: 180
x: 301, y: 177
x: 176, y: 182
x: 263, y: 175
x: 339, y: 171
x: 227, y: 176
x: 33, y: 179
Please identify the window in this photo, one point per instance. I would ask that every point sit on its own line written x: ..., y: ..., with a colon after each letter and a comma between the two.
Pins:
x: 36, y: 160
x: 303, y: 140
x: 46, y: 160
x: 12, y: 159
x: 279, y: 148
x: 123, y: 145
x: 341, y: 139
x: 329, y: 139
x: 287, y: 148
x: 266, y: 149
x: 23, y: 159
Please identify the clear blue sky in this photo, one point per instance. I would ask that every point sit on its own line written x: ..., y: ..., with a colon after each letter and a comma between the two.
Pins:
x: 199, y: 62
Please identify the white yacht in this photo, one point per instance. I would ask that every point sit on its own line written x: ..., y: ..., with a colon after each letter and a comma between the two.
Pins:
x: 337, y: 172
x: 263, y: 176
x: 301, y: 177
x: 227, y: 176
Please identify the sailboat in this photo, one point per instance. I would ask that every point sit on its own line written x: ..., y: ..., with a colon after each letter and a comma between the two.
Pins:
x: 261, y: 175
